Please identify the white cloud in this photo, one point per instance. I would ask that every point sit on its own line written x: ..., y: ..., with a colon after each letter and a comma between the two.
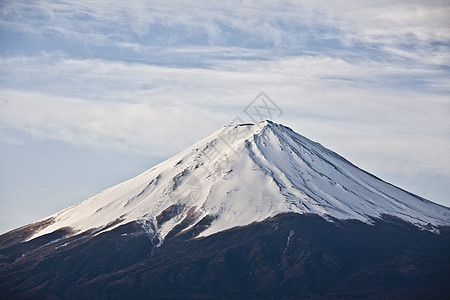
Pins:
x: 100, y: 125
x: 138, y: 107
x: 282, y: 27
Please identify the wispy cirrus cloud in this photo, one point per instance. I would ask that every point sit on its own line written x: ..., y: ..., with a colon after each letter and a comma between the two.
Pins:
x: 110, y: 104
x: 283, y: 28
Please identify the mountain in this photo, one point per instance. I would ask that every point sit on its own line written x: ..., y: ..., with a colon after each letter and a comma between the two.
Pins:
x: 251, y: 211
x: 243, y: 174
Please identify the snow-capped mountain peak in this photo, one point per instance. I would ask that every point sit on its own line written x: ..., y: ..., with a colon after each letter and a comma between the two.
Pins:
x: 242, y: 174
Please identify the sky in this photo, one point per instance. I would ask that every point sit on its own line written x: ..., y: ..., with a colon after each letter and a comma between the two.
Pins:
x: 95, y: 92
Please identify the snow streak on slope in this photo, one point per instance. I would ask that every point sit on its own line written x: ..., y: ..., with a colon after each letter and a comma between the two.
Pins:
x: 243, y: 174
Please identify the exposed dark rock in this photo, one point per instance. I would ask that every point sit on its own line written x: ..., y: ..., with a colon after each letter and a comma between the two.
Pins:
x: 287, y: 257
